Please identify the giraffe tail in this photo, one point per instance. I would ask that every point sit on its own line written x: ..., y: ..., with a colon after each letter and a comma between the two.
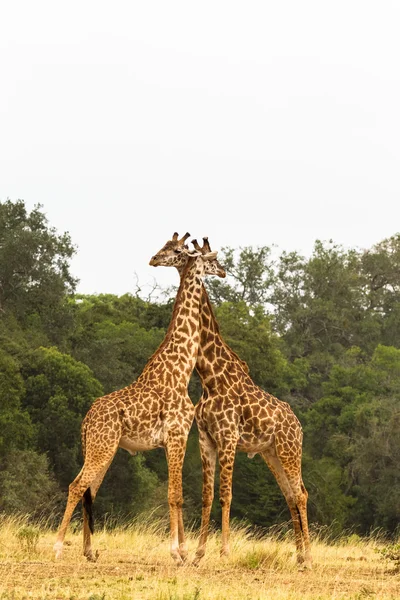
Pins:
x: 87, y: 502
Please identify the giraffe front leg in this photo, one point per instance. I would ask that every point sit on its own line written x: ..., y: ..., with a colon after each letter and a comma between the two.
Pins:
x: 208, y: 459
x: 183, y: 551
x: 175, y: 455
x: 226, y: 456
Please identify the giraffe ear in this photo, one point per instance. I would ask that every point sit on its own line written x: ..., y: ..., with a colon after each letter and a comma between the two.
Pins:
x: 193, y: 253
x: 210, y: 255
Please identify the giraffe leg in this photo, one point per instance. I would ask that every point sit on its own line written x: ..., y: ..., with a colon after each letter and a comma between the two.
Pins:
x: 175, y: 454
x: 76, y: 490
x: 89, y: 473
x: 295, y: 494
x: 183, y: 551
x: 226, y: 456
x: 302, y: 497
x: 87, y: 533
x: 208, y: 458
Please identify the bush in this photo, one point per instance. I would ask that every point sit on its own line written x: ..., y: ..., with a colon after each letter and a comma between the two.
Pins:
x: 26, y: 486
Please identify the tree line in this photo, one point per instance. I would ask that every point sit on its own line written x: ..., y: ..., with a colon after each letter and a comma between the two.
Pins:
x: 321, y: 332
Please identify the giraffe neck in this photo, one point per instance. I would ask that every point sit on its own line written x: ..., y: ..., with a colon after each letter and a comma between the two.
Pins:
x: 180, y: 345
x: 214, y: 356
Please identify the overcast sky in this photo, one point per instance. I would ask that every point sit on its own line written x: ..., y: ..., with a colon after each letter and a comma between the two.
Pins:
x: 255, y: 123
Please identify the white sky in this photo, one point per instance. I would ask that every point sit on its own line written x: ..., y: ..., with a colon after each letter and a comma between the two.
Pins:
x: 254, y: 123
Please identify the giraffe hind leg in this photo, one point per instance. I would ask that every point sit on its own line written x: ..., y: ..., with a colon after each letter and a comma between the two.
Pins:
x: 87, y: 504
x: 302, y: 509
x: 226, y: 458
x: 87, y: 476
x: 75, y: 493
x: 208, y: 454
x: 295, y: 495
x: 88, y: 521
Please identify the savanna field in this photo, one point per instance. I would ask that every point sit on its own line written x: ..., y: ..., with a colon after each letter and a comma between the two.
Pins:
x: 134, y: 563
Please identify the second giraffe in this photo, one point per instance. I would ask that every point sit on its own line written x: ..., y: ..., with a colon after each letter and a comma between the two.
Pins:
x: 234, y: 414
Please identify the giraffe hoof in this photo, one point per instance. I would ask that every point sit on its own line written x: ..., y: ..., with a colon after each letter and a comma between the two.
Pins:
x: 178, y: 562
x: 92, y: 557
x: 196, y: 561
x: 225, y: 551
x: 177, y: 558
x: 198, y: 556
x: 304, y: 567
x: 183, y: 554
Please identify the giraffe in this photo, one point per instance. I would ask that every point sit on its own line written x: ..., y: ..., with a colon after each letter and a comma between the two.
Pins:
x: 154, y: 411
x: 234, y: 414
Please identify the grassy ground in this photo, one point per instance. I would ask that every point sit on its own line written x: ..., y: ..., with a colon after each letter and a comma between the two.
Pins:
x: 134, y: 563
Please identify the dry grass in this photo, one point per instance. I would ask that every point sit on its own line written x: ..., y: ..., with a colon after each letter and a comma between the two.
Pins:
x: 134, y: 563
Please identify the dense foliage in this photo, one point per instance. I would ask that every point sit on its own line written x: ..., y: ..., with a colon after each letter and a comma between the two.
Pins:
x: 322, y: 333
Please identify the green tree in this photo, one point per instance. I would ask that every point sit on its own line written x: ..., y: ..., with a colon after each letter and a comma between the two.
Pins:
x: 352, y: 441
x: 34, y: 268
x: 129, y: 487
x: 59, y: 392
x: 40, y: 497
x: 256, y: 495
x: 374, y: 468
x: 110, y: 337
x: 317, y: 301
x: 16, y: 429
x: 250, y: 275
x: 380, y: 272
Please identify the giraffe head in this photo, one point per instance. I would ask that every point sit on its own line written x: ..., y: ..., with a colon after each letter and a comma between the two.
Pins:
x: 175, y: 253
x: 214, y: 267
